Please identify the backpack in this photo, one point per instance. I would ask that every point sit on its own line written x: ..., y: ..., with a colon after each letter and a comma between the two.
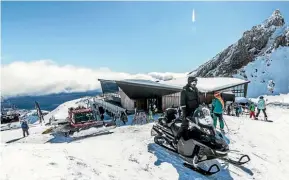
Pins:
x: 24, y: 125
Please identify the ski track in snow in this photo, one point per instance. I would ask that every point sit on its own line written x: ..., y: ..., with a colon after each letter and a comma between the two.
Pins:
x: 129, y: 153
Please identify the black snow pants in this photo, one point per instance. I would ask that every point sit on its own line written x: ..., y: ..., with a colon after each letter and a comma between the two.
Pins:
x: 25, y: 131
x: 264, y: 112
x: 185, y: 125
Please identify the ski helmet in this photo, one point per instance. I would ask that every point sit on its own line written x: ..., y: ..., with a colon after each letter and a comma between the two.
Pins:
x: 261, y: 97
x: 192, y: 79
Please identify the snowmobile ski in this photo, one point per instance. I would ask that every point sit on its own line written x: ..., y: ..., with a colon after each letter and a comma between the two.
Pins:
x: 239, y: 162
x: 202, y: 171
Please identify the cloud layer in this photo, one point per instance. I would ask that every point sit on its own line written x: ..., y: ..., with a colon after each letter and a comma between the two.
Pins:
x: 46, y: 77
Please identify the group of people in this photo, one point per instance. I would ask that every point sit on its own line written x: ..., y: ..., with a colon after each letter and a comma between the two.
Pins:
x: 190, y: 101
x: 261, y: 106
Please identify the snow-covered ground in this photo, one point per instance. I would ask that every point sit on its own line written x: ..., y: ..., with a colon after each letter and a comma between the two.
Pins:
x: 129, y: 153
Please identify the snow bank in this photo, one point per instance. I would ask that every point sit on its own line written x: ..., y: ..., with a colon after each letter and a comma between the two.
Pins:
x: 241, y: 100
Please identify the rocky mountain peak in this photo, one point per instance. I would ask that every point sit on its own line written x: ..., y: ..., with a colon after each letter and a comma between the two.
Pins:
x: 276, y: 19
x: 258, y: 41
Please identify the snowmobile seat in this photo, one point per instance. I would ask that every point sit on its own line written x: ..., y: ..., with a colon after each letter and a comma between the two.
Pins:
x: 170, y: 114
x: 163, y: 120
x: 175, y: 127
x: 178, y: 124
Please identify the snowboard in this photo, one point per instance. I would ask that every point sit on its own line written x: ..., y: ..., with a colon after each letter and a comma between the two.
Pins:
x: 263, y: 120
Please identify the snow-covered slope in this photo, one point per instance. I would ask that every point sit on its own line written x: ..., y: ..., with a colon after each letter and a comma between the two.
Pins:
x: 260, y: 55
x: 61, y: 112
x: 273, y: 66
x: 129, y: 153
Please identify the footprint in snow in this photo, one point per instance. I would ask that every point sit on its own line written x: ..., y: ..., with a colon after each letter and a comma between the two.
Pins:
x: 52, y: 163
x: 81, y: 164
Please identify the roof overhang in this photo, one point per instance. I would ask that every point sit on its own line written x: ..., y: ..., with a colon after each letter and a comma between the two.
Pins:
x: 210, y: 85
x: 140, y: 89
x: 108, y: 86
x: 137, y: 89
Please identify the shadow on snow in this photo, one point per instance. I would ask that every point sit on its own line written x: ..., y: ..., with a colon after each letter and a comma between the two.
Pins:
x: 165, y: 156
x: 63, y: 139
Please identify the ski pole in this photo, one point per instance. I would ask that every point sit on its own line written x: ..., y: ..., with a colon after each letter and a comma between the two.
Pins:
x: 226, y: 125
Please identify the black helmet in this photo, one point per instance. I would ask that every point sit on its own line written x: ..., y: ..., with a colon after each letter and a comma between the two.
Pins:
x: 192, y: 79
x: 261, y: 97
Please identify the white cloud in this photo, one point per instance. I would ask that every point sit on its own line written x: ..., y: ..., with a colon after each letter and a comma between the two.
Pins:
x: 45, y: 77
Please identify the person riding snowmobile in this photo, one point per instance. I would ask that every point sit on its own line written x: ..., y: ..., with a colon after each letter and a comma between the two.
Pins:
x: 190, y: 101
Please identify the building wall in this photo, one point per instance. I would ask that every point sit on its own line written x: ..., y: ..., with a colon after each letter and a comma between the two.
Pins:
x: 175, y: 99
x: 171, y: 100
x: 126, y: 102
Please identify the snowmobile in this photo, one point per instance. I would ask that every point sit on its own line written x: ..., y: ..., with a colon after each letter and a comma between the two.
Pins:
x: 200, y: 143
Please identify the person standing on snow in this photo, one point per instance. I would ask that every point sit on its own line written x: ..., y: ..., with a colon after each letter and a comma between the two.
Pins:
x: 25, y: 127
x: 252, y: 110
x: 261, y: 106
x: 190, y: 101
x: 217, y: 109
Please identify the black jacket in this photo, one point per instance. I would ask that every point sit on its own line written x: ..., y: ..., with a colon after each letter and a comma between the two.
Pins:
x: 190, y: 100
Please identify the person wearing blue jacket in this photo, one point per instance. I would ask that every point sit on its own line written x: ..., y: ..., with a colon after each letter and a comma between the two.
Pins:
x: 217, y: 109
x: 261, y: 106
x: 25, y: 127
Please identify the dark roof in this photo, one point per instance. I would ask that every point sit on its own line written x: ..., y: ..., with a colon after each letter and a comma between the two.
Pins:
x: 138, y: 89
x: 108, y: 86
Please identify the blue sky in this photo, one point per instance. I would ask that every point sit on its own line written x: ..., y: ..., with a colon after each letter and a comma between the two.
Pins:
x: 133, y: 37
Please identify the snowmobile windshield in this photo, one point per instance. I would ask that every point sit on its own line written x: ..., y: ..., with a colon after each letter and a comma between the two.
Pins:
x: 83, y: 117
x: 203, y: 116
